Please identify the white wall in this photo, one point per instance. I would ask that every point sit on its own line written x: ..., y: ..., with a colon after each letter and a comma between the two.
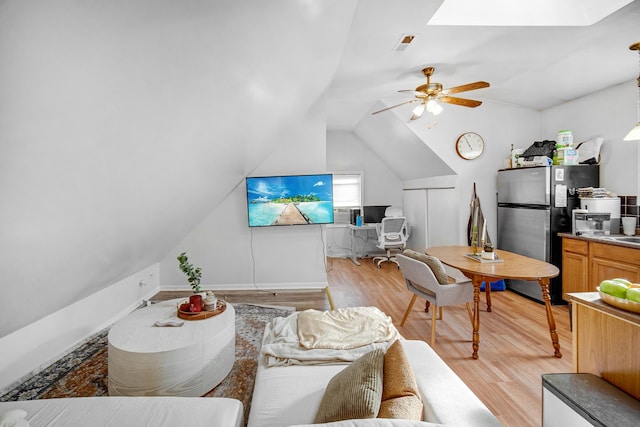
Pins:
x: 346, y: 152
x: 610, y: 113
x: 40, y: 343
x: 234, y: 256
x: 500, y: 125
x: 124, y: 124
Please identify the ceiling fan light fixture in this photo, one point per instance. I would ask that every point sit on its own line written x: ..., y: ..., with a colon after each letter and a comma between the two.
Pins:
x: 634, y: 134
x: 418, y: 111
x: 428, y: 94
x: 433, y: 107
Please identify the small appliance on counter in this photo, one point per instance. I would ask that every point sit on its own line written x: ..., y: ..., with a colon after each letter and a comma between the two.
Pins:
x: 604, y: 204
x: 591, y: 223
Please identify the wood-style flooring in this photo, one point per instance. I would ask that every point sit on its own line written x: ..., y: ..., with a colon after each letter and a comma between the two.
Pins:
x: 515, y: 347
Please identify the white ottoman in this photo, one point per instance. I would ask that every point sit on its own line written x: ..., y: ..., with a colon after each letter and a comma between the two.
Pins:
x: 190, y: 360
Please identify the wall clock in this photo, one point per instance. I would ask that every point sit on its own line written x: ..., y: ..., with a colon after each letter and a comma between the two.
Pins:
x: 469, y: 145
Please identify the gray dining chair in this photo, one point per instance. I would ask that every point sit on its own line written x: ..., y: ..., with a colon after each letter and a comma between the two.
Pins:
x: 426, y: 277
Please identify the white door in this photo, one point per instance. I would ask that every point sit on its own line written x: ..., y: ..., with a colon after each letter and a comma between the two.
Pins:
x: 414, y: 206
x: 443, y: 223
x: 432, y: 215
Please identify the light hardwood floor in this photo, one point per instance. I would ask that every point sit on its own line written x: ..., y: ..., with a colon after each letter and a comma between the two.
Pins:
x: 515, y: 347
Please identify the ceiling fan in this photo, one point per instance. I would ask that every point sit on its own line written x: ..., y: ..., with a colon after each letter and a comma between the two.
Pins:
x: 428, y: 94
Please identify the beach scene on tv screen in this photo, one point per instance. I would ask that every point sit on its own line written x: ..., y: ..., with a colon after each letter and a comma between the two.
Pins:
x: 290, y: 200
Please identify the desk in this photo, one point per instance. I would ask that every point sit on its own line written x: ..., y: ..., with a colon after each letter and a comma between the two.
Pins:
x: 514, y: 267
x: 353, y: 231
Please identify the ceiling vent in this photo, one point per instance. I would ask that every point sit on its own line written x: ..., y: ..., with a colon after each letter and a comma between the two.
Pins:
x: 405, y: 41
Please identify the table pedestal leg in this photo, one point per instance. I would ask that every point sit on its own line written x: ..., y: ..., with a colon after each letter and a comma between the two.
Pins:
x: 487, y: 292
x: 354, y: 255
x: 477, y: 282
x: 544, y: 284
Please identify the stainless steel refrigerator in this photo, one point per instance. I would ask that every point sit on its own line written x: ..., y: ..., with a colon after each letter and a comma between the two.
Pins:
x: 534, y: 205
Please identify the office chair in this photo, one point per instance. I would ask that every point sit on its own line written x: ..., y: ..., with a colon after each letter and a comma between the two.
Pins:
x: 392, y: 211
x: 426, y: 277
x: 392, y: 237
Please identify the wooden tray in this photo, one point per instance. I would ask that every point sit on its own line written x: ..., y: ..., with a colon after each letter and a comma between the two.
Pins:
x: 480, y: 259
x: 221, y: 306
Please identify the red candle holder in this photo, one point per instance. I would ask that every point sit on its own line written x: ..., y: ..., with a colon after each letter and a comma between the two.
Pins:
x: 195, y: 303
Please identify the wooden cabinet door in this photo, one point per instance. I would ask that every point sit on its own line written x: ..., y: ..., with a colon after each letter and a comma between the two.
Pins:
x: 575, y: 274
x: 575, y: 266
x: 603, y: 269
x: 610, y: 261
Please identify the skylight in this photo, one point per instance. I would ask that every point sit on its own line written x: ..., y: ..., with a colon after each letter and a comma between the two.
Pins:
x: 524, y: 13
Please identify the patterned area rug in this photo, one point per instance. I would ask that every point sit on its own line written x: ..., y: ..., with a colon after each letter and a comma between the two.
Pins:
x: 83, y: 372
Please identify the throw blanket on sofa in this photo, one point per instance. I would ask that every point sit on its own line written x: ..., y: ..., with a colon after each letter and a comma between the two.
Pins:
x: 282, y: 343
x: 344, y: 328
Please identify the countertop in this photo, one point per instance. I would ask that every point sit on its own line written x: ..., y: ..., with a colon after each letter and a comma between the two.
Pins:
x: 592, y: 299
x: 596, y: 400
x: 604, y: 239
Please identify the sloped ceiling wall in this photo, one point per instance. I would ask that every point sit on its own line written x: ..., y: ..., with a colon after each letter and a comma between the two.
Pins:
x: 122, y: 125
x: 389, y: 136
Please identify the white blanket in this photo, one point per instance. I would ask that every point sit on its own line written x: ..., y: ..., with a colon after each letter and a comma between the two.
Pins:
x: 14, y: 418
x: 327, y: 337
x: 344, y: 328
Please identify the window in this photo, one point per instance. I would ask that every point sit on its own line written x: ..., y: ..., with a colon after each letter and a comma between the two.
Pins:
x: 347, y: 193
x: 347, y: 190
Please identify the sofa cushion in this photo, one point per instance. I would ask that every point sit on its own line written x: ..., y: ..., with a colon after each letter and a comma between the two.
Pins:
x: 433, y: 263
x: 355, y: 392
x: 400, y: 395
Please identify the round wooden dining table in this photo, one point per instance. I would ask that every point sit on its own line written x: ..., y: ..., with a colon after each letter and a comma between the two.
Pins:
x: 508, y: 265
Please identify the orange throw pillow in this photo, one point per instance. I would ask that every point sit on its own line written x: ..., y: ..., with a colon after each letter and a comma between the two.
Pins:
x: 400, y: 395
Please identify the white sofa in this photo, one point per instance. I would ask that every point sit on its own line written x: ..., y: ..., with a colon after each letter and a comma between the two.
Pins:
x: 128, y: 412
x: 291, y: 395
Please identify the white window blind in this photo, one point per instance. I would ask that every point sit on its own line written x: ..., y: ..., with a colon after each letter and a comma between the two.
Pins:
x: 347, y: 190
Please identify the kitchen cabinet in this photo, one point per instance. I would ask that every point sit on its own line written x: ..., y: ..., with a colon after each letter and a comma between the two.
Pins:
x: 609, y: 261
x: 575, y: 266
x: 588, y: 261
x: 605, y: 341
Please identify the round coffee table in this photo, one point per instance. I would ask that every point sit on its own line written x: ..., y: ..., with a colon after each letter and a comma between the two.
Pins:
x: 189, y: 360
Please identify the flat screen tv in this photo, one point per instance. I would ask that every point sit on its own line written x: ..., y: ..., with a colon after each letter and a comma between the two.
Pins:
x: 290, y: 200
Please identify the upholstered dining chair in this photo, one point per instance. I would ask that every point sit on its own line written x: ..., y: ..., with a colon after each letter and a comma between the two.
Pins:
x: 426, y: 277
x: 392, y: 237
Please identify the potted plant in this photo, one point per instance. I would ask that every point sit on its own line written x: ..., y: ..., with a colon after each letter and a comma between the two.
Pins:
x: 488, y: 253
x: 194, y: 274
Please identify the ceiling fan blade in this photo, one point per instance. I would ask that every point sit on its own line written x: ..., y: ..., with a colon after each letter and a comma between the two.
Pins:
x: 460, y: 101
x: 394, y: 106
x: 464, y: 88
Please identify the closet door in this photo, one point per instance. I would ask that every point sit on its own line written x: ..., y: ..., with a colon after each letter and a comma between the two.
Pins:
x: 443, y: 220
x: 433, y: 218
x: 414, y: 207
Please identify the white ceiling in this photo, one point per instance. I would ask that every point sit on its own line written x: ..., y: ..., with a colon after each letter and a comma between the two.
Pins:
x: 536, y: 67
